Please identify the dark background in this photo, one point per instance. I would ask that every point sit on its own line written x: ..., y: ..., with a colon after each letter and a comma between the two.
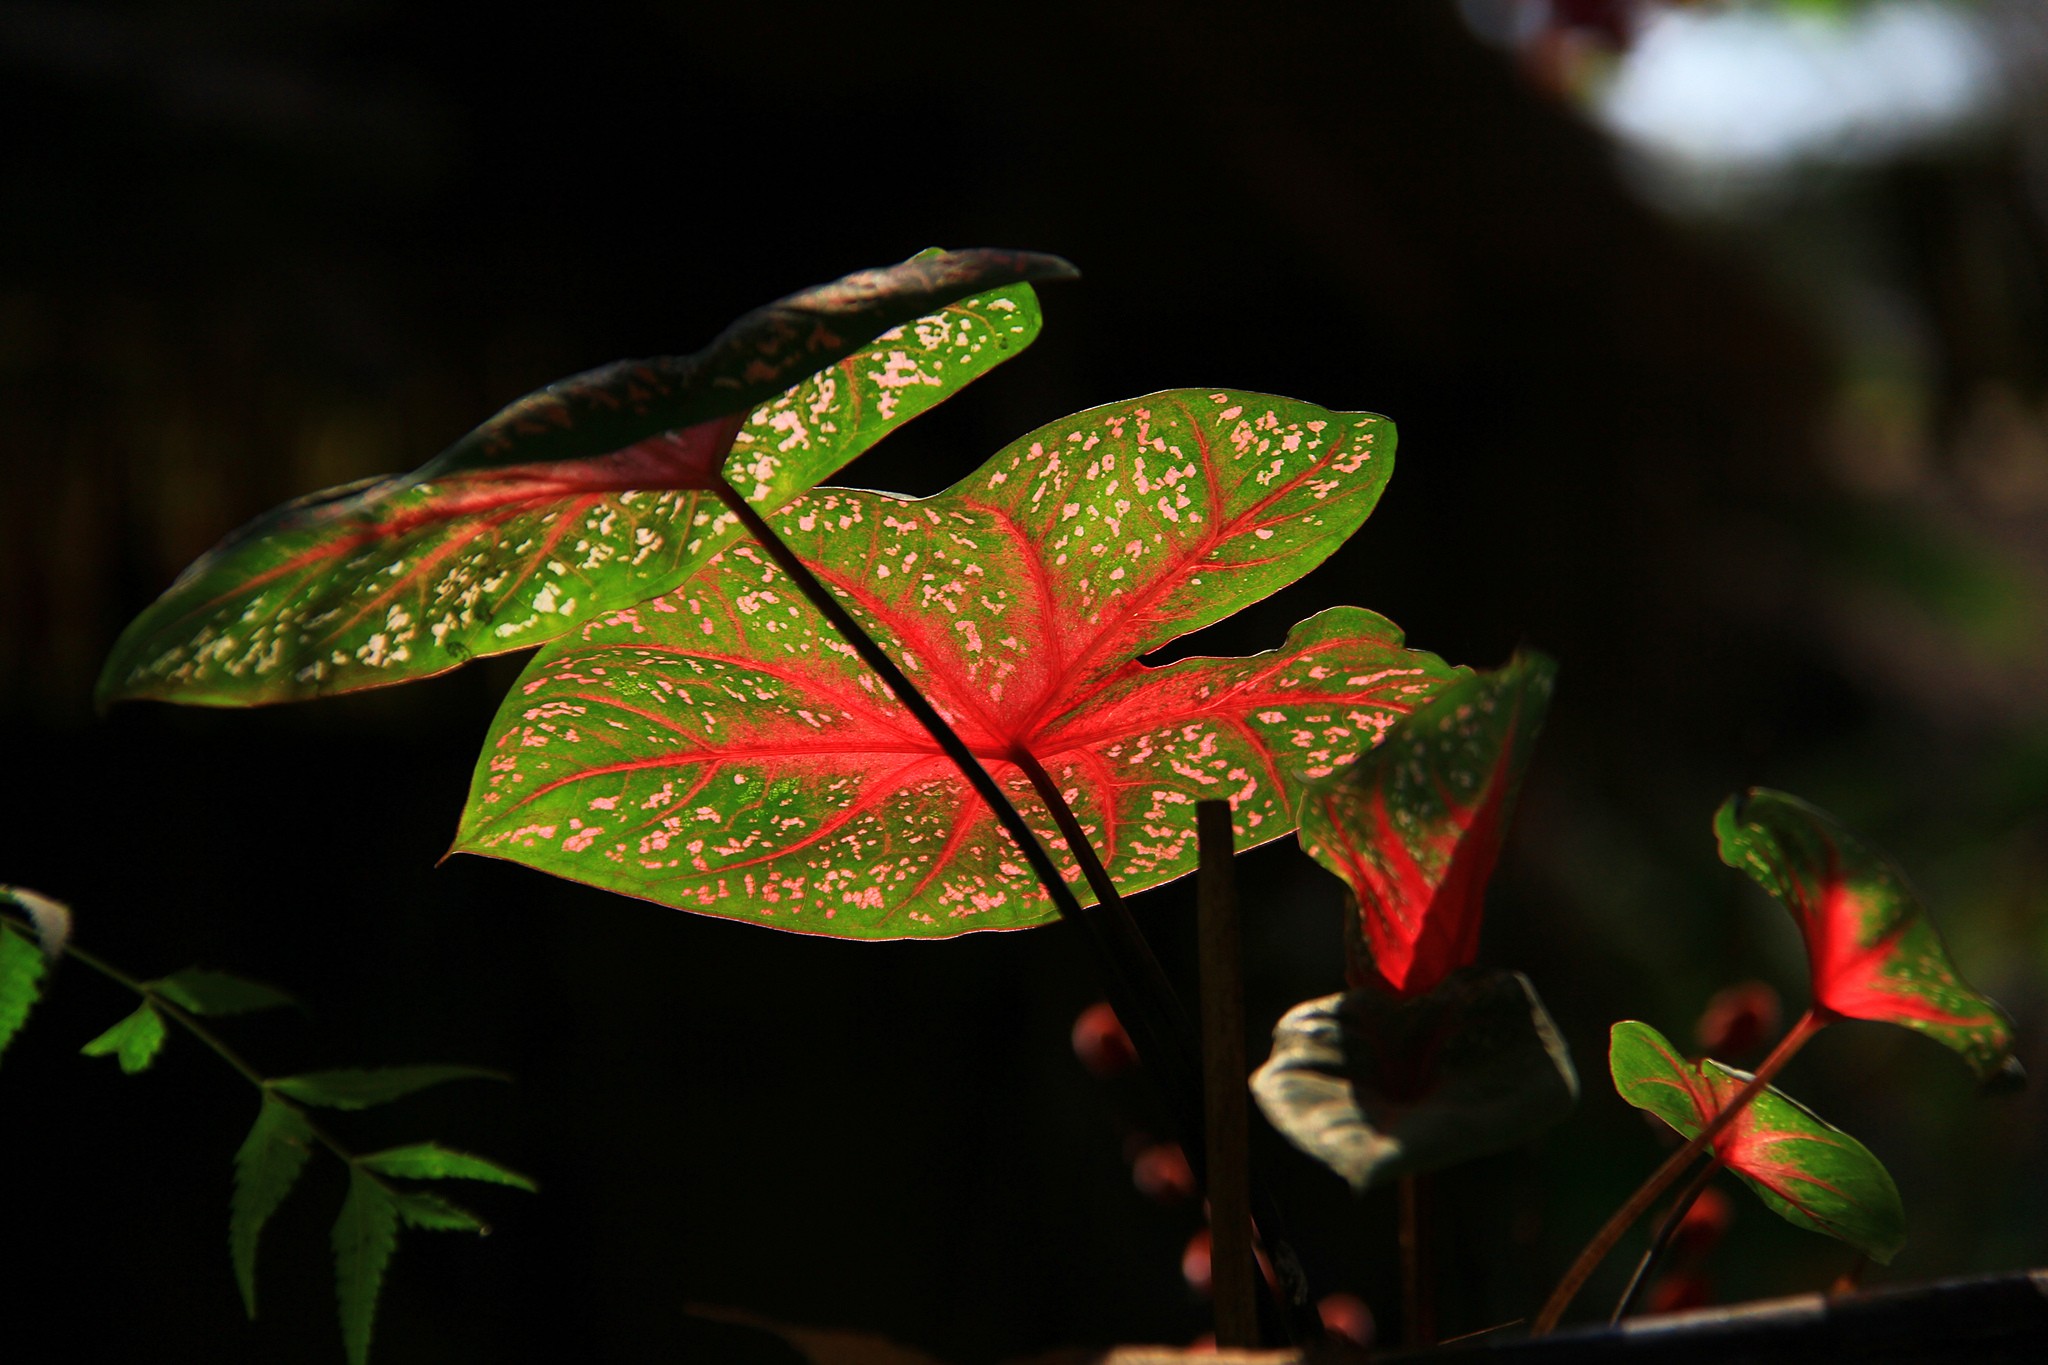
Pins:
x: 251, y: 249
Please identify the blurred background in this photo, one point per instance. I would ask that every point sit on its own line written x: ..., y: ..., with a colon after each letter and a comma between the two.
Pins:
x: 1718, y: 339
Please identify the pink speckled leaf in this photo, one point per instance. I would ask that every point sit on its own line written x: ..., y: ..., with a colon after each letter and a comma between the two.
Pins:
x: 1810, y: 1173
x: 583, y: 496
x: 1871, y: 950
x: 720, y: 749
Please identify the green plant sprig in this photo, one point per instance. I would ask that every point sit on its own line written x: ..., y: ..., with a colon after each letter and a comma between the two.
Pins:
x: 271, y: 1158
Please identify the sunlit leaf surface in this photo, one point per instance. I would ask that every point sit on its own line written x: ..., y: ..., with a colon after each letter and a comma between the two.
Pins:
x: 1416, y: 823
x: 266, y: 1167
x: 1377, y: 1086
x: 1870, y: 947
x: 430, y: 1161
x: 21, y: 973
x: 720, y: 748
x: 530, y: 524
x: 134, y: 1042
x: 1809, y: 1172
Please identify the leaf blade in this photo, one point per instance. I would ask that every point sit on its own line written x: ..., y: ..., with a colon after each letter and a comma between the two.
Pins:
x: 364, y: 1087
x: 22, y: 967
x: 267, y: 1166
x: 431, y: 1213
x: 1806, y: 1170
x: 208, y: 992
x: 388, y: 580
x: 431, y: 1161
x: 1872, y: 952
x: 365, y: 1235
x: 134, y: 1042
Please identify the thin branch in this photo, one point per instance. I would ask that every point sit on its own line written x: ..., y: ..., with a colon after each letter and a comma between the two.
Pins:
x: 1661, y: 1243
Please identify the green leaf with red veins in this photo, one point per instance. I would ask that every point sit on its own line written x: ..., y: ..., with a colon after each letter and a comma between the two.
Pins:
x: 1871, y: 950
x: 721, y: 749
x: 1809, y: 1172
x: 584, y: 496
x: 1416, y: 823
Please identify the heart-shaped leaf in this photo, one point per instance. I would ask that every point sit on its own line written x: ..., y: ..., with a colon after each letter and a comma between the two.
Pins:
x: 134, y: 1042
x: 1375, y: 1086
x: 210, y: 992
x: 266, y: 1167
x: 1809, y: 1172
x: 1871, y: 950
x: 721, y: 749
x: 360, y: 1088
x: 583, y: 496
x: 1416, y: 823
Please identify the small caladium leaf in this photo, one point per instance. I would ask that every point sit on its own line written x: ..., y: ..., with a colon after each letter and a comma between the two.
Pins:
x: 351, y: 1088
x: 432, y: 1213
x: 1809, y: 1172
x: 210, y: 992
x: 51, y: 918
x: 267, y: 1165
x: 721, y: 749
x: 429, y: 1161
x: 365, y: 1235
x: 1871, y: 950
x: 1415, y: 824
x: 583, y: 496
x: 1376, y: 1086
x: 134, y: 1042
x: 21, y: 975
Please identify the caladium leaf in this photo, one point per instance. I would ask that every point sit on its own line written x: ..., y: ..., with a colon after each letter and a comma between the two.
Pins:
x: 720, y: 749
x: 365, y: 1235
x: 583, y: 496
x: 266, y: 1167
x: 1376, y: 1086
x: 360, y: 1088
x: 134, y: 1042
x: 210, y: 992
x: 1871, y: 950
x: 1415, y: 824
x: 1809, y: 1172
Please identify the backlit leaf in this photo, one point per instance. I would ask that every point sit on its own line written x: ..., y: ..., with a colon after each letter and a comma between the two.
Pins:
x: 1809, y: 1172
x: 21, y: 974
x: 266, y: 1167
x: 1871, y: 950
x: 351, y: 1088
x: 531, y: 523
x: 429, y: 1161
x: 365, y: 1235
x: 1377, y: 1086
x: 209, y: 992
x: 420, y: 1209
x: 134, y: 1042
x: 720, y: 748
x: 51, y: 918
x: 1416, y: 823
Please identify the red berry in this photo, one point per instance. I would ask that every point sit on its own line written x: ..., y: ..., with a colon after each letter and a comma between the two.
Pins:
x: 1101, y: 1043
x: 1161, y: 1172
x: 1345, y: 1315
x: 1738, y: 1020
x: 1194, y: 1262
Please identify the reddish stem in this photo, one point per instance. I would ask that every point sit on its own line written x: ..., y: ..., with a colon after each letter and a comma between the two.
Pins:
x: 1816, y: 1018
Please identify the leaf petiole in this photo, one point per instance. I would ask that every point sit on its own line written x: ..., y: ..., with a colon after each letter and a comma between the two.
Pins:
x: 1816, y: 1018
x: 1661, y: 1243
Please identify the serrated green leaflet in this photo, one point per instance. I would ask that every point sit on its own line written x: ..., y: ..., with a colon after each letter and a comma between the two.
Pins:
x: 51, y: 918
x: 267, y: 1165
x: 555, y: 509
x: 1416, y: 823
x: 1807, y: 1171
x: 429, y: 1161
x: 1871, y: 950
x: 209, y: 992
x: 360, y: 1088
x: 21, y: 974
x: 1377, y: 1086
x: 432, y: 1213
x: 134, y: 1042
x: 720, y: 749
x: 365, y: 1235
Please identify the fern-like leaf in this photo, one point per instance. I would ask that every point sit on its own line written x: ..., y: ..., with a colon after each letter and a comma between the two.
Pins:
x: 21, y: 975
x: 209, y: 992
x: 266, y: 1168
x: 431, y: 1161
x: 432, y: 1213
x: 134, y: 1042
x: 359, y: 1088
x: 365, y: 1235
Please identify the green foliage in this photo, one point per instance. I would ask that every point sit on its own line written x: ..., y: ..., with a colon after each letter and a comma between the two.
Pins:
x: 266, y: 1167
x: 429, y: 1161
x: 134, y: 1041
x: 1871, y: 950
x: 432, y: 1213
x: 216, y: 993
x: 1807, y: 1171
x: 360, y: 1088
x: 365, y: 1235
x: 720, y: 750
x: 1377, y: 1086
x: 21, y: 974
